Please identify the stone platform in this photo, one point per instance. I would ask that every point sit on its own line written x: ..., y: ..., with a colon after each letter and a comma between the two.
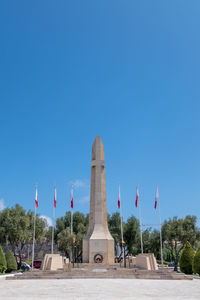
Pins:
x: 87, y: 271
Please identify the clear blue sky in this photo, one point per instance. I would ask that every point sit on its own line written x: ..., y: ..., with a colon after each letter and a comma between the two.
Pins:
x: 128, y: 71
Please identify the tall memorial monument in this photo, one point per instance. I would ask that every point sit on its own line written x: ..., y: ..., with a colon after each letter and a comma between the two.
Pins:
x: 98, y: 245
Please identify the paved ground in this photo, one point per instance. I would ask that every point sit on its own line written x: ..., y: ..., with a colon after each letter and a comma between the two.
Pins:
x: 99, y: 289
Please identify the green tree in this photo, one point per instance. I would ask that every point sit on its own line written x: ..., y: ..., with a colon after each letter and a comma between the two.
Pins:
x: 16, y: 228
x: 81, y: 233
x: 64, y: 222
x: 41, y: 228
x: 186, y: 259
x: 154, y: 244
x: 176, y: 232
x: 146, y: 238
x: 79, y: 219
x: 64, y: 239
x: 63, y: 232
x: 196, y: 262
x: 3, y: 264
x: 114, y: 225
x: 132, y: 235
x: 11, y: 261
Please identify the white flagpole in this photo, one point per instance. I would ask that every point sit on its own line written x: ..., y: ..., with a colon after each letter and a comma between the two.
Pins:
x: 122, y: 237
x: 52, y: 241
x: 160, y: 224
x: 53, y: 230
x: 140, y: 220
x: 72, y: 200
x: 33, y: 250
x: 71, y: 221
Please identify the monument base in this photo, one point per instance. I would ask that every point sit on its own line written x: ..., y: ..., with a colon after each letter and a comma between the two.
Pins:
x: 98, y: 251
x: 53, y: 262
x: 146, y: 261
x: 101, y: 271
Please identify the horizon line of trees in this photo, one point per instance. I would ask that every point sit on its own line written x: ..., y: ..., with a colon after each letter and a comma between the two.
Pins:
x: 16, y: 230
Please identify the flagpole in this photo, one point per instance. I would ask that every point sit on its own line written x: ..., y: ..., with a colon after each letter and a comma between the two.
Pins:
x: 72, y: 204
x: 52, y: 242
x: 122, y: 238
x: 33, y: 250
x: 160, y: 224
x: 54, y: 206
x: 71, y: 221
x: 140, y: 220
x: 121, y: 219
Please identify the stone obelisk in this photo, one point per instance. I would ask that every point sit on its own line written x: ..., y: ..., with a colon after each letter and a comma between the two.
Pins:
x: 98, y: 245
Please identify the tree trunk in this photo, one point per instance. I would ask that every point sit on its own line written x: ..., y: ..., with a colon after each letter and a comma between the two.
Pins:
x: 176, y: 263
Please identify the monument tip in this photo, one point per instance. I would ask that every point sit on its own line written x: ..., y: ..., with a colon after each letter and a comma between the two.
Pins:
x: 98, y: 139
x: 98, y: 149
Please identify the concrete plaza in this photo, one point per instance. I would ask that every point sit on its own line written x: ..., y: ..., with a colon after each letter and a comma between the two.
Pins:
x: 99, y: 289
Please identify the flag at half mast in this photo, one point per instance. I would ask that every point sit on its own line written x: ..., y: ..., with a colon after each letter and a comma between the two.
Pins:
x: 119, y: 197
x: 36, y: 198
x: 54, y: 203
x: 72, y: 199
x: 156, y: 197
x: 137, y: 196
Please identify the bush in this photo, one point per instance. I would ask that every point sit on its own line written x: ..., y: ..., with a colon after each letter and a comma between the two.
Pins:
x: 3, y: 264
x: 196, y: 262
x: 186, y: 259
x: 11, y: 261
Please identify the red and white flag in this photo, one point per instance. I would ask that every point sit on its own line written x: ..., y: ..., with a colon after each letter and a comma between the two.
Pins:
x: 137, y: 196
x: 36, y: 198
x: 72, y: 199
x: 119, y: 198
x: 156, y: 197
x: 54, y: 203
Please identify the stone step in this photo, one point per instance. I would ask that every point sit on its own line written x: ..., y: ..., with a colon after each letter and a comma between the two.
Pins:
x: 99, y: 273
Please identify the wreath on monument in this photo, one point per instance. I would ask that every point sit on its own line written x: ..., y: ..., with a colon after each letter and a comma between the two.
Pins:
x: 98, y: 258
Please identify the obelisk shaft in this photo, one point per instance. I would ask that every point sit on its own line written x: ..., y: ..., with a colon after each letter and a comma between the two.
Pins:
x: 98, y: 239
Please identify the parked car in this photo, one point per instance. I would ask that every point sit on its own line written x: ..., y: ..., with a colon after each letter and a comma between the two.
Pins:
x: 25, y: 267
x: 37, y: 264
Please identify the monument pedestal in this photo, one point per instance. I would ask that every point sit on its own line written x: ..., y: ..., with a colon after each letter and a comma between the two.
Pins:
x: 98, y: 248
x: 53, y: 262
x: 146, y: 261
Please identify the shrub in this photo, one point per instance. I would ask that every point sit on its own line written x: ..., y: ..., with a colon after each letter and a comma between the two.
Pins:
x: 196, y: 262
x: 186, y: 259
x: 3, y: 264
x: 11, y: 261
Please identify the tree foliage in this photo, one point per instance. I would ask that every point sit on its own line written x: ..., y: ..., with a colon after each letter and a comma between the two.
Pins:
x: 114, y: 225
x: 176, y: 232
x: 3, y: 264
x: 154, y: 244
x: 196, y: 262
x: 63, y: 232
x: 64, y: 239
x: 11, y: 261
x: 186, y: 259
x: 16, y: 228
x: 132, y: 235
